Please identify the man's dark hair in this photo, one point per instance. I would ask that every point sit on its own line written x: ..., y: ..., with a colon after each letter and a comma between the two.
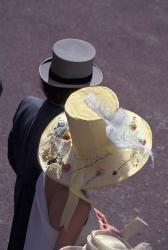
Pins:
x: 56, y: 94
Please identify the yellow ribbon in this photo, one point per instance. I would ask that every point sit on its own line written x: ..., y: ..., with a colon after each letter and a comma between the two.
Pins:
x: 75, y: 194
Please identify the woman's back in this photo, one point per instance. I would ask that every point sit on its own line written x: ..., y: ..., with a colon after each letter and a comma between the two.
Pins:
x: 40, y: 234
x: 44, y: 232
x: 56, y: 198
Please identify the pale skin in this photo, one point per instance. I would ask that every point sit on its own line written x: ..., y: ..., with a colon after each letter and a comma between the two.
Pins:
x: 78, y: 219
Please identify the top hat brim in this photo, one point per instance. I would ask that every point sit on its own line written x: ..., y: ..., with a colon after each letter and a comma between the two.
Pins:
x: 44, y: 68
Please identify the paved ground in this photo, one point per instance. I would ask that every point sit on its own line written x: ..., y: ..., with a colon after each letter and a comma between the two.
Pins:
x: 131, y: 38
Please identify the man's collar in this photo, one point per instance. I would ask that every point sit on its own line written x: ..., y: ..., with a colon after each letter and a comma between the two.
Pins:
x: 56, y: 104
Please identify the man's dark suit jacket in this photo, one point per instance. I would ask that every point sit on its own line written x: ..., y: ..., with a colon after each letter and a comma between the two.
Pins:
x: 31, y: 118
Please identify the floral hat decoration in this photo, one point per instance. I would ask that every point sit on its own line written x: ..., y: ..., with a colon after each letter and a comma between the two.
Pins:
x: 93, y: 144
x: 106, y: 240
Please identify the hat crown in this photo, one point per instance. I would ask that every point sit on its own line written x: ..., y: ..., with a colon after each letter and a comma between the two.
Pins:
x: 88, y: 130
x: 73, y: 59
x: 74, y: 50
x: 104, y: 240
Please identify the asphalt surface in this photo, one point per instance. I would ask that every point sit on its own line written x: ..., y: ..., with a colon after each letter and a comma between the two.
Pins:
x: 131, y: 39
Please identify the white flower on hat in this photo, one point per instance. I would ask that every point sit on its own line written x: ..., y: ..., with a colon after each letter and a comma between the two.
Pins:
x: 121, y: 129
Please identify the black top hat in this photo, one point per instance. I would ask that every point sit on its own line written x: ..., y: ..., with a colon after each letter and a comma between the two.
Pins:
x: 71, y: 65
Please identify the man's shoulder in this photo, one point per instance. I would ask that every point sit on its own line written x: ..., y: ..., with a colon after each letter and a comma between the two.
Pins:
x: 28, y: 108
x: 31, y: 102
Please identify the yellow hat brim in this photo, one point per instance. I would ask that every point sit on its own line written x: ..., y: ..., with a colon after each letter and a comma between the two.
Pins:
x: 118, y: 163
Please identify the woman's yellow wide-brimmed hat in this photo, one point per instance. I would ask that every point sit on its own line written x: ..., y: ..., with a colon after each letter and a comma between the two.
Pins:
x: 93, y: 144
